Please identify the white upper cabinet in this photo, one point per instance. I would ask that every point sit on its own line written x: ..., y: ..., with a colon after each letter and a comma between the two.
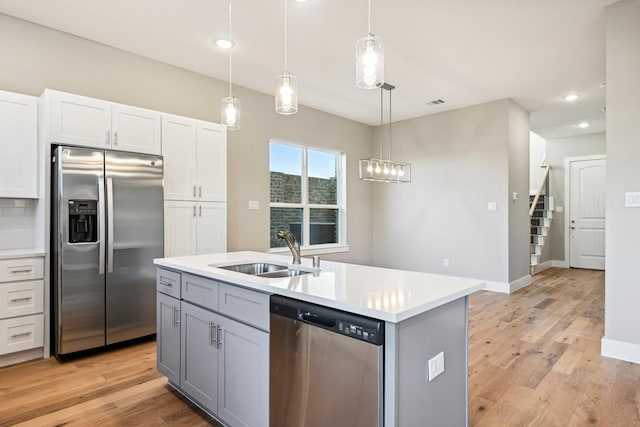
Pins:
x: 89, y: 122
x: 195, y: 159
x: 135, y: 129
x: 18, y: 145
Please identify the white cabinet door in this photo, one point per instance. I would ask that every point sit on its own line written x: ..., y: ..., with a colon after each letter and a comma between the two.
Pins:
x: 211, y: 228
x: 243, y: 382
x: 78, y: 120
x: 211, y: 162
x: 179, y: 151
x: 135, y: 129
x: 199, y: 355
x: 179, y: 228
x: 168, y: 336
x: 18, y: 145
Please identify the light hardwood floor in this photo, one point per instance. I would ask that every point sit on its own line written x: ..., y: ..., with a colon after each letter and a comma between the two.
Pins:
x: 534, y: 360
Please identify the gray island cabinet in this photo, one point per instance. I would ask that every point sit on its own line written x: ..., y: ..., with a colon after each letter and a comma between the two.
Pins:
x: 214, y: 325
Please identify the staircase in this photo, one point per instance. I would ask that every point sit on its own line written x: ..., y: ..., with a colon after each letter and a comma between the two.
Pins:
x: 540, y: 223
x: 540, y: 216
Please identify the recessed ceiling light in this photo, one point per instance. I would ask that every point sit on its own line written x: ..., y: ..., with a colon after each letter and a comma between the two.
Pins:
x: 584, y: 125
x: 571, y: 97
x: 225, y: 44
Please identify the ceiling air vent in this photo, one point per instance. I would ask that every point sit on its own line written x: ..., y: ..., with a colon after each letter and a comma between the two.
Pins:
x: 435, y: 102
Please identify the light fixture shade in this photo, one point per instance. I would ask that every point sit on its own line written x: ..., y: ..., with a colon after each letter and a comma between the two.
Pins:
x: 230, y: 112
x: 379, y: 170
x: 286, y: 94
x: 369, y: 62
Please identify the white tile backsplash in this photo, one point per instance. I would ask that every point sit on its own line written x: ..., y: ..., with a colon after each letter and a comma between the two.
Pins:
x: 17, y: 219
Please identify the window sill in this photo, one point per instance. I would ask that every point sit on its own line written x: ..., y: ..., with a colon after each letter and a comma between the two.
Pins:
x: 314, y: 250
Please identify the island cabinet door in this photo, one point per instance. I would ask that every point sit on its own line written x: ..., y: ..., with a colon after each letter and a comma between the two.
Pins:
x: 168, y: 337
x: 199, y: 354
x: 243, y: 383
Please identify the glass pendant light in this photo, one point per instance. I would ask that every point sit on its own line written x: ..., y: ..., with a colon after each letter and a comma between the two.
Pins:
x: 286, y: 84
x: 230, y: 105
x: 369, y: 59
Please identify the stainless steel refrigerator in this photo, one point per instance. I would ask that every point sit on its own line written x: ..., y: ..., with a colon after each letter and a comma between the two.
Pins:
x: 106, y: 229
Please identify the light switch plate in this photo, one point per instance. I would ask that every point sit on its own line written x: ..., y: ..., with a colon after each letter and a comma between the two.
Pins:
x: 254, y: 205
x: 435, y: 366
x: 632, y: 199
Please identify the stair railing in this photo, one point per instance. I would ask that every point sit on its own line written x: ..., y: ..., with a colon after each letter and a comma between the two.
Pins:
x: 543, y: 184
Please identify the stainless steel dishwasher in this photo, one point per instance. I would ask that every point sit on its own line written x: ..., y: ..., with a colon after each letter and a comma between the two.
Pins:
x: 326, y: 367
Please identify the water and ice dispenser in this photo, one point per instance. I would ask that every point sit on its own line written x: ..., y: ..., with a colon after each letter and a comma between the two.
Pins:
x: 83, y: 221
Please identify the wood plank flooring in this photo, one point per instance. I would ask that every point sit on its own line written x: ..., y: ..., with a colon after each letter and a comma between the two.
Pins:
x: 534, y: 360
x: 534, y: 357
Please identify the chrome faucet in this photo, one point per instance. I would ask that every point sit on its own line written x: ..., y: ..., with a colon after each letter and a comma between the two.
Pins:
x: 292, y: 242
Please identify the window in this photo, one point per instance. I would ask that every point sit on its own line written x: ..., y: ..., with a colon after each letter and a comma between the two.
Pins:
x: 307, y: 194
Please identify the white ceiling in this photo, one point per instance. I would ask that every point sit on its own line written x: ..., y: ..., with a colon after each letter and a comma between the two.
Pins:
x: 465, y: 52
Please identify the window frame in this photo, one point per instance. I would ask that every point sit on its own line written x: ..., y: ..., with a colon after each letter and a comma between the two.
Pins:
x: 341, y: 200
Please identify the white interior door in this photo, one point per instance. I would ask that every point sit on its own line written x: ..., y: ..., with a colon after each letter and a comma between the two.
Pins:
x: 587, y: 214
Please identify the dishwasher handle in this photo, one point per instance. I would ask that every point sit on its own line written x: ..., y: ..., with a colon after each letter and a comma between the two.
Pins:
x: 315, y: 319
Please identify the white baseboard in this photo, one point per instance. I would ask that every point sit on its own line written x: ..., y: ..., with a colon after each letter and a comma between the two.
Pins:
x: 507, y: 288
x: 542, y: 266
x: 621, y: 350
x: 559, y: 264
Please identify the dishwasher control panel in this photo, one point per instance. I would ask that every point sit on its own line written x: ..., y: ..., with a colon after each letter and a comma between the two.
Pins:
x: 357, y: 331
x: 341, y: 322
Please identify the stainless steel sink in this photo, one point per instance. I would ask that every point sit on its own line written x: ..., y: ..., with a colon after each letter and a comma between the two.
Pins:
x: 254, y: 268
x: 285, y: 273
x: 263, y: 269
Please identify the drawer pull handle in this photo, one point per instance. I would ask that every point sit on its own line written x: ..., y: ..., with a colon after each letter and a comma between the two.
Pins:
x: 167, y: 284
x: 213, y: 334
x: 22, y: 299
x: 24, y: 334
x: 176, y: 316
x: 218, y: 333
x: 25, y: 270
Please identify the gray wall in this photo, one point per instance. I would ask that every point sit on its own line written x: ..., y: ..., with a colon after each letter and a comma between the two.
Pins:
x: 36, y: 57
x: 519, y: 225
x: 460, y: 162
x: 622, y: 316
x: 557, y: 150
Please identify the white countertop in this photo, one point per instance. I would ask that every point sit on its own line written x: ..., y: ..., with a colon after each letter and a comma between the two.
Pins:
x: 385, y: 294
x: 21, y: 253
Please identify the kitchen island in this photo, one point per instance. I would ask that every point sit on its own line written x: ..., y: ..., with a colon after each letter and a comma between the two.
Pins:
x: 424, y: 315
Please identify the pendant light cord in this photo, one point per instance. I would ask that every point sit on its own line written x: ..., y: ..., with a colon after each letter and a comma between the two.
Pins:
x: 390, y: 124
x: 369, y: 19
x: 285, y: 35
x: 381, y: 124
x: 230, y: 53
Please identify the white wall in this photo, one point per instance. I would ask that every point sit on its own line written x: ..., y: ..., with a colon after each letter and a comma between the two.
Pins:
x: 537, y: 152
x: 460, y: 162
x: 557, y: 151
x: 622, y: 295
x: 35, y: 58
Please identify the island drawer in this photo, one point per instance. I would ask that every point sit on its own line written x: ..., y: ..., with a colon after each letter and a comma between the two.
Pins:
x: 21, y: 298
x: 247, y: 306
x: 21, y: 333
x: 200, y: 291
x: 21, y: 269
x: 168, y: 282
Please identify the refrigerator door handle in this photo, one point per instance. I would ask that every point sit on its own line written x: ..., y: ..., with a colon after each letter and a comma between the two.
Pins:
x: 101, y: 214
x: 110, y: 225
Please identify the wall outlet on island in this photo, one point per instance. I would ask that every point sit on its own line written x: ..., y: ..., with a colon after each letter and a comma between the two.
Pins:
x: 446, y: 262
x: 435, y: 366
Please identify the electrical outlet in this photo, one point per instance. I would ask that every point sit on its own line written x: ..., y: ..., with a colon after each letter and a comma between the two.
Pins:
x: 492, y: 206
x: 254, y: 205
x: 435, y: 366
x: 446, y: 262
